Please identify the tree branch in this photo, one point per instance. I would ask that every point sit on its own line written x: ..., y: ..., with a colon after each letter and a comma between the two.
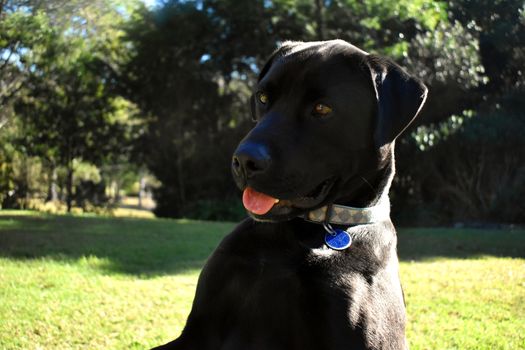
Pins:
x: 6, y: 61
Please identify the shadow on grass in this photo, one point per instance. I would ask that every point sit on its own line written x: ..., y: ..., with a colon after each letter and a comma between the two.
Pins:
x: 150, y: 248
x: 142, y: 247
x: 429, y: 243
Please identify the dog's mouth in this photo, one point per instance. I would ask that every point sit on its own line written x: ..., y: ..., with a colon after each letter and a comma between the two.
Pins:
x: 262, y: 206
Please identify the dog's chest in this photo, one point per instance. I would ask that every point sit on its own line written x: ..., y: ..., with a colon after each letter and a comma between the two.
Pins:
x: 289, y: 304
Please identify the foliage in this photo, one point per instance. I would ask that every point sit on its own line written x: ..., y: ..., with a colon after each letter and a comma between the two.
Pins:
x: 386, y: 26
x: 216, y: 210
x: 65, y: 108
x: 189, y: 103
x: 475, y: 173
x: 427, y: 136
x: 176, y: 80
x: 501, y: 29
x: 438, y: 41
x: 126, y: 87
x: 468, y: 170
x: 23, y: 36
x: 72, y: 107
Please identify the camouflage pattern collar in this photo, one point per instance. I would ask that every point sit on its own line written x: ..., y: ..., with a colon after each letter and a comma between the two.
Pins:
x: 347, y: 216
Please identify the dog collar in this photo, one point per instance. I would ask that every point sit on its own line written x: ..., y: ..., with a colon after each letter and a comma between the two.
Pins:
x: 336, y: 214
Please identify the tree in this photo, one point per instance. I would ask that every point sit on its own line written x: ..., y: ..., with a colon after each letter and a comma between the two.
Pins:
x: 500, y: 28
x: 471, y: 172
x: 55, y: 59
x: 66, y: 111
x: 26, y: 25
x: 196, y: 91
x: 188, y: 68
x: 66, y: 102
x: 23, y: 37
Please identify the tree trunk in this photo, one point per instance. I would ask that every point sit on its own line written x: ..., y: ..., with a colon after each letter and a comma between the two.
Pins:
x: 69, y: 186
x: 117, y: 191
x: 142, y: 188
x: 319, y: 9
x: 180, y: 179
x: 24, y: 183
x: 52, y: 194
x: 179, y: 147
x: 2, y: 4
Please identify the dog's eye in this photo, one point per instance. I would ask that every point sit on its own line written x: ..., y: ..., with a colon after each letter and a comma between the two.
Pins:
x: 262, y: 97
x: 322, y: 110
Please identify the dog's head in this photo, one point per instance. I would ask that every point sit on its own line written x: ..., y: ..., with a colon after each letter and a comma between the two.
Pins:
x: 325, y: 112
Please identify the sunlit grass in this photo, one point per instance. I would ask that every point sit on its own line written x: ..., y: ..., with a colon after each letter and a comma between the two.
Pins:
x: 127, y: 207
x: 114, y: 283
x: 63, y: 305
x: 132, y: 213
x: 466, y: 303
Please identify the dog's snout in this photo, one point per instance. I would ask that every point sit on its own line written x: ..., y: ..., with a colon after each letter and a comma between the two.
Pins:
x: 250, y: 159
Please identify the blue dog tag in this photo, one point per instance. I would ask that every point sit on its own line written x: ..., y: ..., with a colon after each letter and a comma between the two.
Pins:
x: 338, y: 239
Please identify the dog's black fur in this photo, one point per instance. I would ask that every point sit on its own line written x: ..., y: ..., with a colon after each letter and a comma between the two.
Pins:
x: 272, y: 283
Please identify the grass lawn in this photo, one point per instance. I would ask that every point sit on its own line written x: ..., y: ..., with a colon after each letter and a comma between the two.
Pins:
x: 114, y: 283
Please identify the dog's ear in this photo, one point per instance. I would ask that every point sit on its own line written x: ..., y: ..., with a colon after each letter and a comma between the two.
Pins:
x: 400, y: 97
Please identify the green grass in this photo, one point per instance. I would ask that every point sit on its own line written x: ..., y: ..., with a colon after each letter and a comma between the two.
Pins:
x: 112, y: 283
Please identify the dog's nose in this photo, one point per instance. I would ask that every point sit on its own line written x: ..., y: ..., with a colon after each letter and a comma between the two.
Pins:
x: 250, y: 159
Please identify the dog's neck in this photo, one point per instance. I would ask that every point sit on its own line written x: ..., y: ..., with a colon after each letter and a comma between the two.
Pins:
x: 372, y: 189
x: 366, y: 200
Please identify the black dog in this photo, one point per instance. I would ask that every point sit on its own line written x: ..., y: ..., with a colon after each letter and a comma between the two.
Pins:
x: 307, y: 271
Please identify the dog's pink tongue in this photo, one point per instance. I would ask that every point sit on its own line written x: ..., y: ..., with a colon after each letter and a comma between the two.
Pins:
x: 257, y: 202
